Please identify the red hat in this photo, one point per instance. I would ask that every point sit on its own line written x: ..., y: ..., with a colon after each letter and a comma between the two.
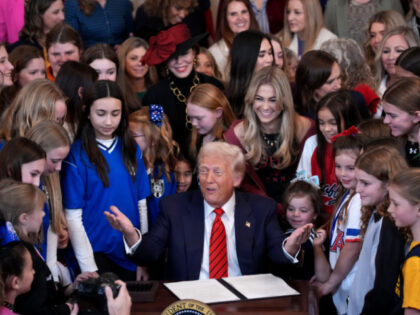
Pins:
x: 168, y: 43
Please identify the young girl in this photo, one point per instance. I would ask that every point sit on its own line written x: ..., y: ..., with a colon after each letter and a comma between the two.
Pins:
x: 405, y: 210
x: 184, y: 171
x: 210, y: 114
x: 345, y: 228
x: 39, y: 100
x: 22, y: 204
x: 104, y: 168
x: 55, y: 141
x: 402, y: 114
x: 335, y: 113
x: 17, y: 274
x: 103, y: 59
x: 151, y: 130
x: 23, y: 160
x: 303, y: 205
x: 373, y: 288
x: 207, y: 65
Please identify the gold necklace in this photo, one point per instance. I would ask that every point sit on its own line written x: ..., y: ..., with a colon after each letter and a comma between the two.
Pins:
x: 181, y: 97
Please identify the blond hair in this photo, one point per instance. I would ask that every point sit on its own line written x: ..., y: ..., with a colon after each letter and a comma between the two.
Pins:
x: 314, y: 22
x: 408, y: 34
x: 34, y: 103
x: 50, y: 135
x: 383, y: 163
x: 16, y: 199
x: 253, y: 137
x: 225, y: 152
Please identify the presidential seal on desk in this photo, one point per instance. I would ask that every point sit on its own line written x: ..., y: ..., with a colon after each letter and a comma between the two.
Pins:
x: 188, y: 307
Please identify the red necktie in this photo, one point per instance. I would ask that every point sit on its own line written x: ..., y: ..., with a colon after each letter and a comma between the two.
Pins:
x: 218, y: 264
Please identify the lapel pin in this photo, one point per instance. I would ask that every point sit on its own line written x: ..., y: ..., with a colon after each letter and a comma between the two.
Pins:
x: 248, y: 224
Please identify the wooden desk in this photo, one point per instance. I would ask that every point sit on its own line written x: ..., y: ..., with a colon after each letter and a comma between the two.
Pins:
x: 305, y: 303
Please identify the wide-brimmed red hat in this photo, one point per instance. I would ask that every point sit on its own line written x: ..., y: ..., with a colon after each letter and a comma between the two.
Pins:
x: 169, y: 43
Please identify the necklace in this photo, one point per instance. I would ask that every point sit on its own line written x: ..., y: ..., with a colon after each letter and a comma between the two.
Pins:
x: 271, y: 140
x: 182, y: 98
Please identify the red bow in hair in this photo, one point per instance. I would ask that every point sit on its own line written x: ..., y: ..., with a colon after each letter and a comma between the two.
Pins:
x: 163, y: 45
x: 349, y: 132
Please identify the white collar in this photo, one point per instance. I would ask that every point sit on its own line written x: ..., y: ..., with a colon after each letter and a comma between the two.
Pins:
x: 228, y: 207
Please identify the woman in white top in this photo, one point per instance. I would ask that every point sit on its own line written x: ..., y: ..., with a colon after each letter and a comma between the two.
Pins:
x: 304, y: 26
x: 237, y: 17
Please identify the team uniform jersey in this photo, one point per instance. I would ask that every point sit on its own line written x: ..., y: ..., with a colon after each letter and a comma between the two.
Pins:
x: 160, y: 187
x: 342, y: 233
x: 83, y: 189
x: 309, y: 163
x: 411, y: 275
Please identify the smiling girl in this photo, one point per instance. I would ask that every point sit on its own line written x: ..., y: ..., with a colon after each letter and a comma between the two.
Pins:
x: 378, y: 267
x: 104, y: 168
x: 335, y: 113
x: 402, y: 114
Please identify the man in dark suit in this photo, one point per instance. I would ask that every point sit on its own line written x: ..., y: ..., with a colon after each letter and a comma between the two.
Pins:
x: 184, y: 225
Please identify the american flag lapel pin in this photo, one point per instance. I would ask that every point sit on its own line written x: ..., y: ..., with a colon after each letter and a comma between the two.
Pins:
x: 248, y: 224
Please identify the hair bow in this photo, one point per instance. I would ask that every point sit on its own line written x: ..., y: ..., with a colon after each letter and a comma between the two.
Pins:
x: 302, y: 176
x: 349, y: 132
x: 156, y: 114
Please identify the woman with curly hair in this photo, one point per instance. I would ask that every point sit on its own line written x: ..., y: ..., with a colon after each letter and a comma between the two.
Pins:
x: 100, y: 21
x: 355, y: 73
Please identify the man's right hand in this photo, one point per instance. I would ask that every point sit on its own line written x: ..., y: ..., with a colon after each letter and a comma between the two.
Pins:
x: 121, y: 223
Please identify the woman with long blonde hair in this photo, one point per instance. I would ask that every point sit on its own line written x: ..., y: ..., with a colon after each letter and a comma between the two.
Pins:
x: 304, y: 26
x: 271, y: 134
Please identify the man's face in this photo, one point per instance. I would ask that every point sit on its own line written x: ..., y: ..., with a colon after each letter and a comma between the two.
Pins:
x: 217, y: 180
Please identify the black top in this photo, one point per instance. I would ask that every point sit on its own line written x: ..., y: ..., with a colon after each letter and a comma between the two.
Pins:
x: 43, y: 298
x: 161, y: 94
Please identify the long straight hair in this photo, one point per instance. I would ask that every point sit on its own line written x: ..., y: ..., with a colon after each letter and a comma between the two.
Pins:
x: 345, y: 113
x: 50, y: 135
x: 86, y: 132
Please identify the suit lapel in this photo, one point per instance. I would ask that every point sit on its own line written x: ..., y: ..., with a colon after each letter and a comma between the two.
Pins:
x: 244, y: 233
x: 193, y: 221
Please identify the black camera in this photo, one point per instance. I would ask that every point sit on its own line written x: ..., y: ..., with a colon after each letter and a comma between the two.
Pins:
x: 91, y: 296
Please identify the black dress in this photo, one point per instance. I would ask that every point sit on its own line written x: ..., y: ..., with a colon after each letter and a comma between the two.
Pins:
x: 43, y: 298
x: 161, y: 94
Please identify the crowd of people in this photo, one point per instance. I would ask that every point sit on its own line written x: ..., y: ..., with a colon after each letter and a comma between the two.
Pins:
x: 158, y: 145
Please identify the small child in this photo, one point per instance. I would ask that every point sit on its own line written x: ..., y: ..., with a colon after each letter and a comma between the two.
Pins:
x: 404, y: 194
x: 184, y: 171
x: 303, y: 204
x: 344, y: 241
x: 151, y: 130
x: 17, y: 274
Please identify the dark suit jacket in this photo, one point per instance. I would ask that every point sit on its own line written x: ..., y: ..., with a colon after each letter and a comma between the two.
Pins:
x: 179, y: 228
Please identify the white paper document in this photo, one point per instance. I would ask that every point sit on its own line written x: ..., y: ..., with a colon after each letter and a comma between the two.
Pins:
x: 261, y: 286
x: 213, y: 291
x: 207, y: 291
